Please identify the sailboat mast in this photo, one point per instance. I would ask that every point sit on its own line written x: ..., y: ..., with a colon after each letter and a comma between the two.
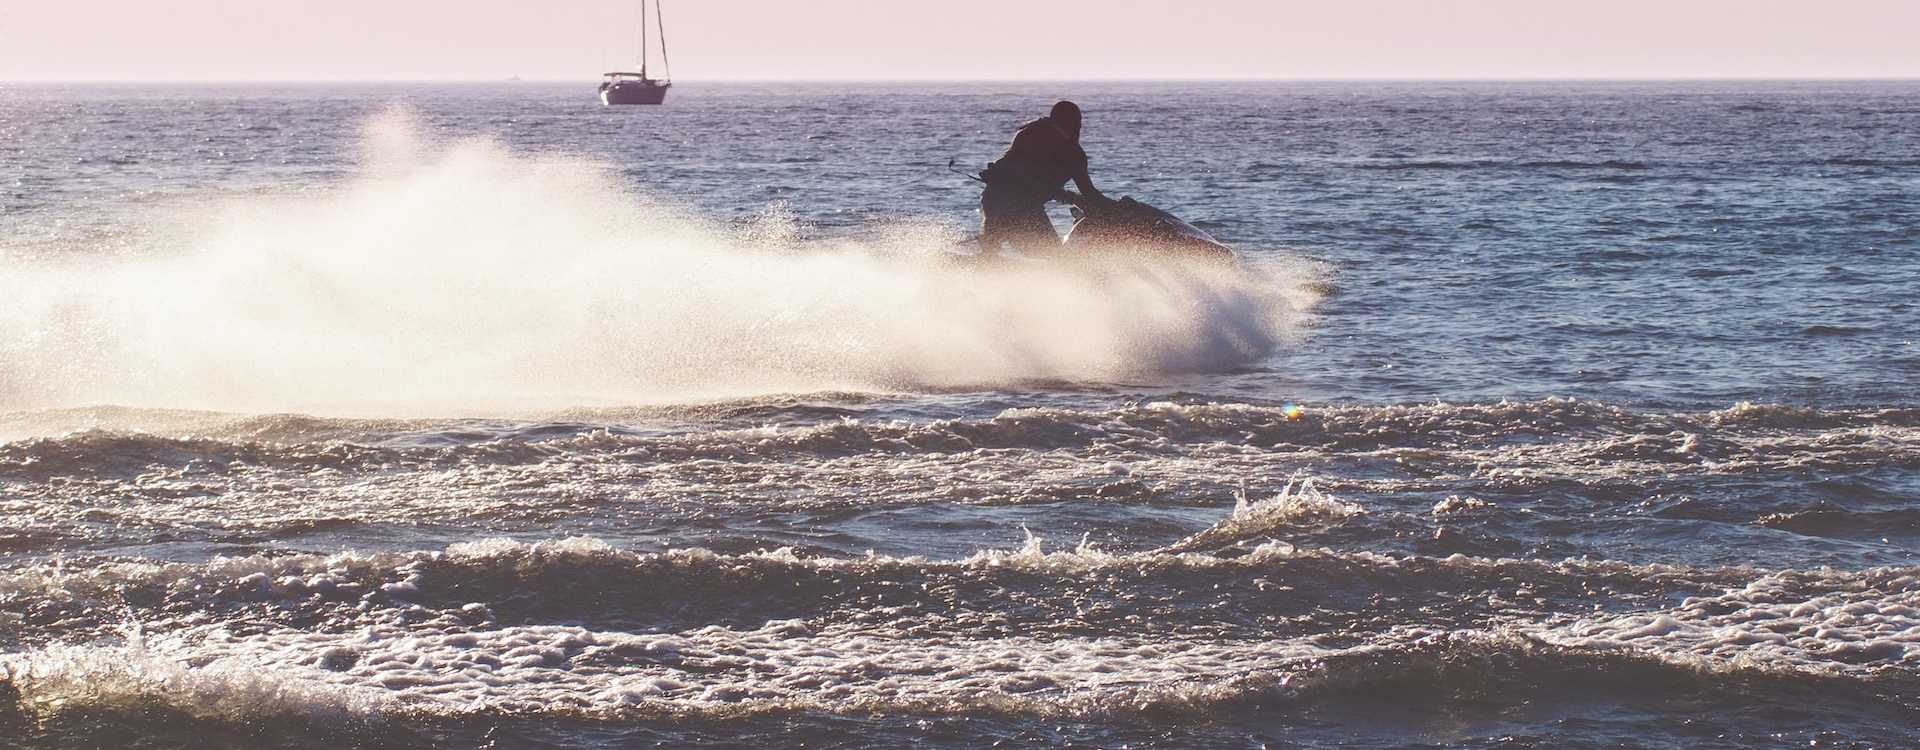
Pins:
x: 661, y: 17
x: 643, y: 39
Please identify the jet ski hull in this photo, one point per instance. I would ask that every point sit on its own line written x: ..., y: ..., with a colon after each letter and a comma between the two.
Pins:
x: 1129, y: 226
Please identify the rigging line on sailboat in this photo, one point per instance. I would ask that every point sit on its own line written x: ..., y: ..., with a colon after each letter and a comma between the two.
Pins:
x: 660, y: 20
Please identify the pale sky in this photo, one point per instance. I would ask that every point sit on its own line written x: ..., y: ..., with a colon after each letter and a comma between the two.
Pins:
x: 978, y: 39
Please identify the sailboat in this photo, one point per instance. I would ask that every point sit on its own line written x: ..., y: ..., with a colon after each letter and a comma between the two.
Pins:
x: 624, y: 87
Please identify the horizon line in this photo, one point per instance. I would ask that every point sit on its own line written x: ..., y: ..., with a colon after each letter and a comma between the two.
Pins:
x: 1037, y: 80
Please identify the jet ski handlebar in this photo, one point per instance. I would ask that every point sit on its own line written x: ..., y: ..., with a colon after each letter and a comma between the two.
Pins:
x: 1089, y: 203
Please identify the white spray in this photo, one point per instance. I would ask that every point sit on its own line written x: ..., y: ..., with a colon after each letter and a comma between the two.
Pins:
x: 467, y: 279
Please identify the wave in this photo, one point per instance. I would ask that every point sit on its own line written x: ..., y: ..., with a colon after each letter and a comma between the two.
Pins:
x: 132, y: 678
x: 502, y: 584
x: 506, y: 583
x: 1617, y: 165
x: 1476, y: 164
x: 576, y: 629
x: 788, y: 670
x: 1867, y: 162
x: 1564, y: 435
x: 1834, y: 330
x: 1825, y: 622
x: 1841, y: 522
x: 1297, y: 504
x: 467, y: 279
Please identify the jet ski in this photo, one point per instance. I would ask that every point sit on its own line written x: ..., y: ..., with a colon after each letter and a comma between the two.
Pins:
x: 1106, y: 226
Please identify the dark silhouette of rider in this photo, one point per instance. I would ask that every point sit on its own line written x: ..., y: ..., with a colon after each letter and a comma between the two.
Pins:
x: 1045, y: 154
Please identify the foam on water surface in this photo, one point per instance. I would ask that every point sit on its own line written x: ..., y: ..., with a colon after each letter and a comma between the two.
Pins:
x: 407, y: 649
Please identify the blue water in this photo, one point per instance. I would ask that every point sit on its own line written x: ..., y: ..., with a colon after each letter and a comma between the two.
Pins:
x: 1538, y: 415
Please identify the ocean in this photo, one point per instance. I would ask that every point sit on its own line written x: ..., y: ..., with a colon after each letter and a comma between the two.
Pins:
x: 1536, y: 414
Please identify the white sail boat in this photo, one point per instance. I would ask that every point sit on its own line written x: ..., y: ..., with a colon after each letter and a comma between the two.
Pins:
x: 624, y: 87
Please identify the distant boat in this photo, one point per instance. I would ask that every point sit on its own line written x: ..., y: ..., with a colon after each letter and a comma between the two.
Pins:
x: 622, y: 87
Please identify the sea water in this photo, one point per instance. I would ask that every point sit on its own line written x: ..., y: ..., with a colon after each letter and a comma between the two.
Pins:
x: 1537, y: 415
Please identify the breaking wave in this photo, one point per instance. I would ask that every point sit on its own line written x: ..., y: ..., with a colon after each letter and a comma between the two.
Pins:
x: 499, y: 629
x: 1561, y: 435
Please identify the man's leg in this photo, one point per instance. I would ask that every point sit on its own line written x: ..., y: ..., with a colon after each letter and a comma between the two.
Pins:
x: 1023, y: 224
x: 1031, y: 232
x: 1025, y: 227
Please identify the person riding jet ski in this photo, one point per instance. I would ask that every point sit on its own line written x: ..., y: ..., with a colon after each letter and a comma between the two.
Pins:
x: 1044, y: 155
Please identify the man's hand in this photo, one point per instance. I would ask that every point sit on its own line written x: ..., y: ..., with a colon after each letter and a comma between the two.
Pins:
x: 1090, y: 202
x: 1086, y: 201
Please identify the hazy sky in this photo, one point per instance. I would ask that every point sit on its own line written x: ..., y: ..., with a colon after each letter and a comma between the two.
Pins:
x: 730, y: 39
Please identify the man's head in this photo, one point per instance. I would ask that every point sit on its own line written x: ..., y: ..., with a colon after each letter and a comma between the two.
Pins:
x: 1066, y: 114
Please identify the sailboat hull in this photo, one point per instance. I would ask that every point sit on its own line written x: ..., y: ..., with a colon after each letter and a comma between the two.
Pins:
x: 633, y: 92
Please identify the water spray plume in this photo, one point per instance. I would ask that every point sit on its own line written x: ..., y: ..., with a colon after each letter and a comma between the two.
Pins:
x: 465, y: 279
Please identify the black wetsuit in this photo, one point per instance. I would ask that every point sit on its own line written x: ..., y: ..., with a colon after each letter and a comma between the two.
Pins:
x: 1013, y: 208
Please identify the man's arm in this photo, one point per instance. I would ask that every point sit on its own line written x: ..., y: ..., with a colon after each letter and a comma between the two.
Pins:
x: 1085, y: 183
x: 1083, y: 180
